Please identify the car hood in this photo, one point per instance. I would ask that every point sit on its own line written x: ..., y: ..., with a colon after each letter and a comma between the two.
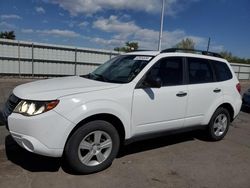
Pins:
x: 55, y: 88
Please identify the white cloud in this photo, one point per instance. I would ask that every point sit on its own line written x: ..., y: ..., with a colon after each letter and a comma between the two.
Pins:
x: 53, y: 32
x: 108, y: 43
x: 92, y: 6
x: 27, y: 30
x: 40, y: 10
x: 59, y: 33
x: 112, y: 24
x: 83, y: 24
x: 10, y: 16
x: 147, y: 38
x: 4, y: 26
x: 216, y: 48
x: 71, y: 24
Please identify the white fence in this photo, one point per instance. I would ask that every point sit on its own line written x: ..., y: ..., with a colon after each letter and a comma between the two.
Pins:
x: 242, y: 71
x: 26, y: 58
x: 36, y: 59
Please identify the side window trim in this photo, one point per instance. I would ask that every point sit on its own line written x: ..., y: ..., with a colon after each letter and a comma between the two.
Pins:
x: 185, y: 71
x: 213, y: 70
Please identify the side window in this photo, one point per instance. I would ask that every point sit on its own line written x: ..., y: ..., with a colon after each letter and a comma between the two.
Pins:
x: 199, y: 71
x: 222, y: 71
x: 169, y: 70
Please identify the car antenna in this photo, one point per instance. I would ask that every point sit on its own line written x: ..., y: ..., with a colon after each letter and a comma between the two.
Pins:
x: 208, y: 44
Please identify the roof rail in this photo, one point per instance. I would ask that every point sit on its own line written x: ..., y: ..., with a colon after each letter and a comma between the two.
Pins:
x: 191, y: 51
x: 141, y: 50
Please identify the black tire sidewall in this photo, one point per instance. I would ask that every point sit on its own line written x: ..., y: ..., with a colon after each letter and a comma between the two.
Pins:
x: 211, y: 133
x: 71, y: 148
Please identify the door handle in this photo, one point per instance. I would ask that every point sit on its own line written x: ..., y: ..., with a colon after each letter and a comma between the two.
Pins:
x: 181, y: 94
x: 217, y: 90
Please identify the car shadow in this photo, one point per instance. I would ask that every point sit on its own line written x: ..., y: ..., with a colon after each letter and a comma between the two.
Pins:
x: 158, y: 142
x: 245, y: 109
x: 37, y: 163
x: 28, y: 160
x: 1, y: 119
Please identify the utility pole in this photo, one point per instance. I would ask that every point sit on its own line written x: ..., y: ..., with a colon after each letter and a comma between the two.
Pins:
x: 161, y: 30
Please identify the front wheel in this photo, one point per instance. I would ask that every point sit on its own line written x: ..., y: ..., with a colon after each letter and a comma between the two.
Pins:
x: 92, y: 147
x: 219, y: 124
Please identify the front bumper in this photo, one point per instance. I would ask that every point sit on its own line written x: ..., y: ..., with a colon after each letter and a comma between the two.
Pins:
x: 33, y: 145
x: 44, y: 134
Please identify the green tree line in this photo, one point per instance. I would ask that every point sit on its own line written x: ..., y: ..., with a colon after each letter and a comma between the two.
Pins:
x: 234, y: 59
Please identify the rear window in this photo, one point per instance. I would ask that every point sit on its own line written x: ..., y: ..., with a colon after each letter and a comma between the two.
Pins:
x: 222, y: 71
x: 200, y: 71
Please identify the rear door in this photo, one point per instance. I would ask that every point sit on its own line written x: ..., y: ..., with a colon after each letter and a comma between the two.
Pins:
x: 204, y: 92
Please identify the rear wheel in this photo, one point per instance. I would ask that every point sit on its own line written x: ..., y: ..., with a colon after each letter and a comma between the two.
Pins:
x: 92, y: 147
x: 219, y: 124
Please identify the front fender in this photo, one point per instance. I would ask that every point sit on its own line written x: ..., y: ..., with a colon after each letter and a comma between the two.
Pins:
x: 85, y: 110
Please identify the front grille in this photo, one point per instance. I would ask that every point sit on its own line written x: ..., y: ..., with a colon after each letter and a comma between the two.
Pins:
x: 9, y: 107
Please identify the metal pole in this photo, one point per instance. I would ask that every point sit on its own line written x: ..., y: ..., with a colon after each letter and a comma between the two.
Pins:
x: 32, y: 60
x: 208, y: 44
x: 75, y: 59
x: 239, y: 72
x: 249, y: 76
x: 19, y: 63
x: 161, y: 29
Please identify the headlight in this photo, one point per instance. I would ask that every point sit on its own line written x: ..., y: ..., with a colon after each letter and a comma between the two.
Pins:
x: 31, y: 108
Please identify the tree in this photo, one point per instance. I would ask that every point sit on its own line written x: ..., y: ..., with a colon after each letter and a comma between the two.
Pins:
x: 227, y: 55
x: 186, y: 44
x: 129, y: 46
x: 8, y: 35
x: 233, y: 59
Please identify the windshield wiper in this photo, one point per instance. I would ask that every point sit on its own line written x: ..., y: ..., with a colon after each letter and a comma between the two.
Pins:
x: 85, y: 76
x: 99, y: 77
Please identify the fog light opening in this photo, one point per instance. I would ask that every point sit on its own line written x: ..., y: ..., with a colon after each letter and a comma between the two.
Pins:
x: 28, y: 145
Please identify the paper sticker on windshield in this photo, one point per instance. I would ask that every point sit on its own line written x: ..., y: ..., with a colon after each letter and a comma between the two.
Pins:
x: 142, y: 58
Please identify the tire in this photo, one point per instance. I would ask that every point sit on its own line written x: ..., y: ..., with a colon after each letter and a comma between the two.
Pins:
x: 92, y: 147
x: 219, y: 124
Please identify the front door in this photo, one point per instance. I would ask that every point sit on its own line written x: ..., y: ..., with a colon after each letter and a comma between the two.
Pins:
x: 157, y: 109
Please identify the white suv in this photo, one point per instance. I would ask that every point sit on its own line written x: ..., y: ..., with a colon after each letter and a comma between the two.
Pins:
x: 86, y: 118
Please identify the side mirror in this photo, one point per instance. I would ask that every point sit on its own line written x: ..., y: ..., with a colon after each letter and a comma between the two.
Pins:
x: 151, y: 82
x: 155, y: 82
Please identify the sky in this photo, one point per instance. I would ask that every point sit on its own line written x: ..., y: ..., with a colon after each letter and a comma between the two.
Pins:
x: 105, y: 24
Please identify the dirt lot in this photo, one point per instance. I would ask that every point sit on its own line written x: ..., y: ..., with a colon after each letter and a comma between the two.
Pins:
x: 183, y: 160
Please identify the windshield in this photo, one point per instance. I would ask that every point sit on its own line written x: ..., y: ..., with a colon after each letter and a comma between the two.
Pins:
x: 121, y: 69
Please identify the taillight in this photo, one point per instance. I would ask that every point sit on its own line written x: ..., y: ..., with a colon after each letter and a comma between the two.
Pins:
x: 238, y: 87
